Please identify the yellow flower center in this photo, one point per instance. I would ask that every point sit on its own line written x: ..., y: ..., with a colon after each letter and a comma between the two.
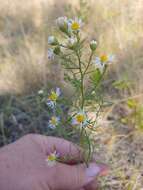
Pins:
x: 75, y: 26
x: 53, y: 96
x: 51, y: 157
x: 104, y: 58
x: 80, y: 118
x: 53, y: 121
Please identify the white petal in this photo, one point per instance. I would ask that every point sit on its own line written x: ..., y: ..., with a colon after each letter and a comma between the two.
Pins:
x: 74, y: 122
x: 111, y: 58
x: 69, y: 27
x: 97, y: 60
x: 51, y: 163
x: 101, y: 67
x: 51, y: 104
x: 58, y: 119
x: 85, y: 123
x: 58, y: 91
x: 51, y: 39
x: 51, y: 126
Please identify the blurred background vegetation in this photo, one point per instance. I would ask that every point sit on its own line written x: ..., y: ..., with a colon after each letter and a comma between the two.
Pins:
x: 24, y: 69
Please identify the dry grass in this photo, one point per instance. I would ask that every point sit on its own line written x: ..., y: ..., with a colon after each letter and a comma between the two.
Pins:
x: 118, y: 26
x: 122, y: 150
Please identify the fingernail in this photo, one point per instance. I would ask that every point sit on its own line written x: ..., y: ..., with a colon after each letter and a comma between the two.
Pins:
x: 92, y: 171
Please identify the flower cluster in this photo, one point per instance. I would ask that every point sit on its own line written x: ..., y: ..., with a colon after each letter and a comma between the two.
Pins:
x: 70, y: 51
x: 51, y: 103
x: 70, y: 27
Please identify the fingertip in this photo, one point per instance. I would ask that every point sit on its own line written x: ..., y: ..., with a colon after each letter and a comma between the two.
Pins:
x: 92, y: 172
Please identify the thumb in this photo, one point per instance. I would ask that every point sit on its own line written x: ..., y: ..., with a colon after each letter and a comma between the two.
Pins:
x: 74, y: 177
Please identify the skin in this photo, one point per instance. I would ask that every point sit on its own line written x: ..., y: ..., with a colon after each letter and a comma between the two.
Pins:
x: 23, y: 166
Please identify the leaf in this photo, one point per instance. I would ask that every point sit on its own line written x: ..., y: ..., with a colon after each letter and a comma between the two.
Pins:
x: 131, y: 103
x: 96, y: 77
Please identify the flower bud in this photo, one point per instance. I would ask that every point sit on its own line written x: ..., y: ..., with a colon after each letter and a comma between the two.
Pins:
x: 72, y: 42
x: 93, y: 45
x: 52, y: 40
x: 62, y: 23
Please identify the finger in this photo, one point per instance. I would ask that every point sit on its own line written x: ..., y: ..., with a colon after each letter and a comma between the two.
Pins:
x: 63, y: 147
x: 94, y: 185
x: 73, y: 177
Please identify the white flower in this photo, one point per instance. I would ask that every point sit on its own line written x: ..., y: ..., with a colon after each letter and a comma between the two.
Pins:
x: 75, y: 24
x: 103, y: 60
x: 52, y: 158
x: 98, y: 64
x: 52, y: 40
x: 80, y: 119
x: 50, y: 54
x: 54, y: 121
x: 111, y: 58
x: 51, y: 102
x: 58, y: 91
x: 93, y: 45
x: 61, y: 21
x: 40, y: 92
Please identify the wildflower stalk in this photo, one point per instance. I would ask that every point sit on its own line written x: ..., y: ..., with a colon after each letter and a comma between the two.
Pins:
x: 82, y: 77
x: 71, y: 53
x: 89, y: 149
x: 89, y: 62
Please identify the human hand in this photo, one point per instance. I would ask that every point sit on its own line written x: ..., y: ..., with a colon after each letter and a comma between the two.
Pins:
x: 23, y: 166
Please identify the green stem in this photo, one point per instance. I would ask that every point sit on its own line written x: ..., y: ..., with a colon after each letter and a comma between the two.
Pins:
x: 89, y: 148
x: 90, y: 59
x: 82, y: 80
x: 82, y: 75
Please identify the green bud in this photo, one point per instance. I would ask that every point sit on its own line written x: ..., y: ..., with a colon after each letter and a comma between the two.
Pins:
x: 62, y: 23
x: 93, y: 45
x: 52, y: 40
